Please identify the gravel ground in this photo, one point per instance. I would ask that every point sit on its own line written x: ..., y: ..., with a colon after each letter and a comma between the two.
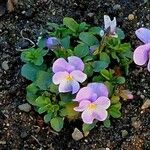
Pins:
x: 21, y: 130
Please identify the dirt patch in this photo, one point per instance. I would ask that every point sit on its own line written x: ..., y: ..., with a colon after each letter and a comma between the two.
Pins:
x: 20, y: 130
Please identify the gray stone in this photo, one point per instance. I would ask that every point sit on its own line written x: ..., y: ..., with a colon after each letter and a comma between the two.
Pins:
x: 77, y: 134
x: 117, y: 7
x: 90, y: 14
x: 2, y: 142
x: 24, y: 134
x: 25, y: 107
x: 124, y: 133
x: 5, y: 65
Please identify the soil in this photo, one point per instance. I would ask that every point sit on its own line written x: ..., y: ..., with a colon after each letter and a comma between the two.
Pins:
x: 26, y: 131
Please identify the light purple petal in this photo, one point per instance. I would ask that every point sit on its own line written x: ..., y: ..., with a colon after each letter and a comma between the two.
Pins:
x: 82, y: 105
x: 87, y: 116
x: 107, y: 21
x: 79, y: 76
x: 84, y: 93
x: 102, y: 102
x: 143, y: 34
x: 148, y: 65
x: 75, y: 86
x: 65, y: 86
x: 99, y: 88
x: 113, y: 26
x: 76, y: 62
x: 60, y: 65
x: 140, y: 55
x: 100, y: 114
x: 59, y: 77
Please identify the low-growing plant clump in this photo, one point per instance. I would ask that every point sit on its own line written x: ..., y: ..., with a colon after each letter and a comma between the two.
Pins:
x: 77, y: 72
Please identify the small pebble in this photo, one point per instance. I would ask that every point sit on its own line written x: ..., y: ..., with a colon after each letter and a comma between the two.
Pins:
x: 25, y: 107
x: 146, y: 104
x: 2, y: 142
x: 90, y: 14
x: 5, y: 65
x: 136, y: 124
x: 130, y: 17
x: 23, y: 134
x: 117, y: 7
x: 77, y: 134
x: 124, y: 133
x: 2, y: 10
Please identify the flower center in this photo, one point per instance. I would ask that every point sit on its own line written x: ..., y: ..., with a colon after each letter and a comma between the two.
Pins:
x: 69, y: 78
x: 92, y: 106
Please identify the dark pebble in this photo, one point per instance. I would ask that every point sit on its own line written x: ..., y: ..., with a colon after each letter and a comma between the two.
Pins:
x: 23, y: 44
x: 23, y: 134
x: 2, y: 10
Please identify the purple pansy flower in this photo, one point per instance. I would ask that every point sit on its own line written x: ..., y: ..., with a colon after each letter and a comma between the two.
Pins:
x: 69, y: 74
x: 93, y: 102
x: 52, y: 43
x: 142, y: 53
x: 109, y: 26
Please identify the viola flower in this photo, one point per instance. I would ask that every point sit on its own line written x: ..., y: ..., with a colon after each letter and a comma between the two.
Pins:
x: 52, y: 43
x: 141, y: 54
x: 93, y: 102
x: 68, y: 74
x: 109, y: 26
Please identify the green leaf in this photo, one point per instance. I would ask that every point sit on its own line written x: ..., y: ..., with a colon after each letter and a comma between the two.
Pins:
x: 114, y: 110
x: 68, y: 111
x: 105, y: 57
x: 54, y: 88
x: 88, y: 38
x: 88, y: 69
x: 125, y: 47
x: 32, y: 88
x: 107, y: 123
x: 110, y: 88
x: 66, y: 42
x: 71, y: 24
x: 87, y: 128
x: 95, y: 30
x: 47, y: 117
x: 115, y: 113
x: 120, y: 33
x: 53, y: 25
x: 106, y: 74
x: 97, y: 78
x: 120, y: 80
x: 34, y: 56
x: 83, y: 26
x: 42, y: 109
x: 115, y: 99
x: 31, y: 98
x: 42, y: 101
x: 57, y: 123
x: 41, y: 43
x: 81, y: 50
x: 29, y: 71
x: 99, y: 65
x: 67, y: 97
x: 43, y: 80
x: 114, y: 56
x: 88, y: 58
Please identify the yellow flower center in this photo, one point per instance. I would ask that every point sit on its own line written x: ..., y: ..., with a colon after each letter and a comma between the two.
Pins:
x: 92, y: 106
x: 69, y: 77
